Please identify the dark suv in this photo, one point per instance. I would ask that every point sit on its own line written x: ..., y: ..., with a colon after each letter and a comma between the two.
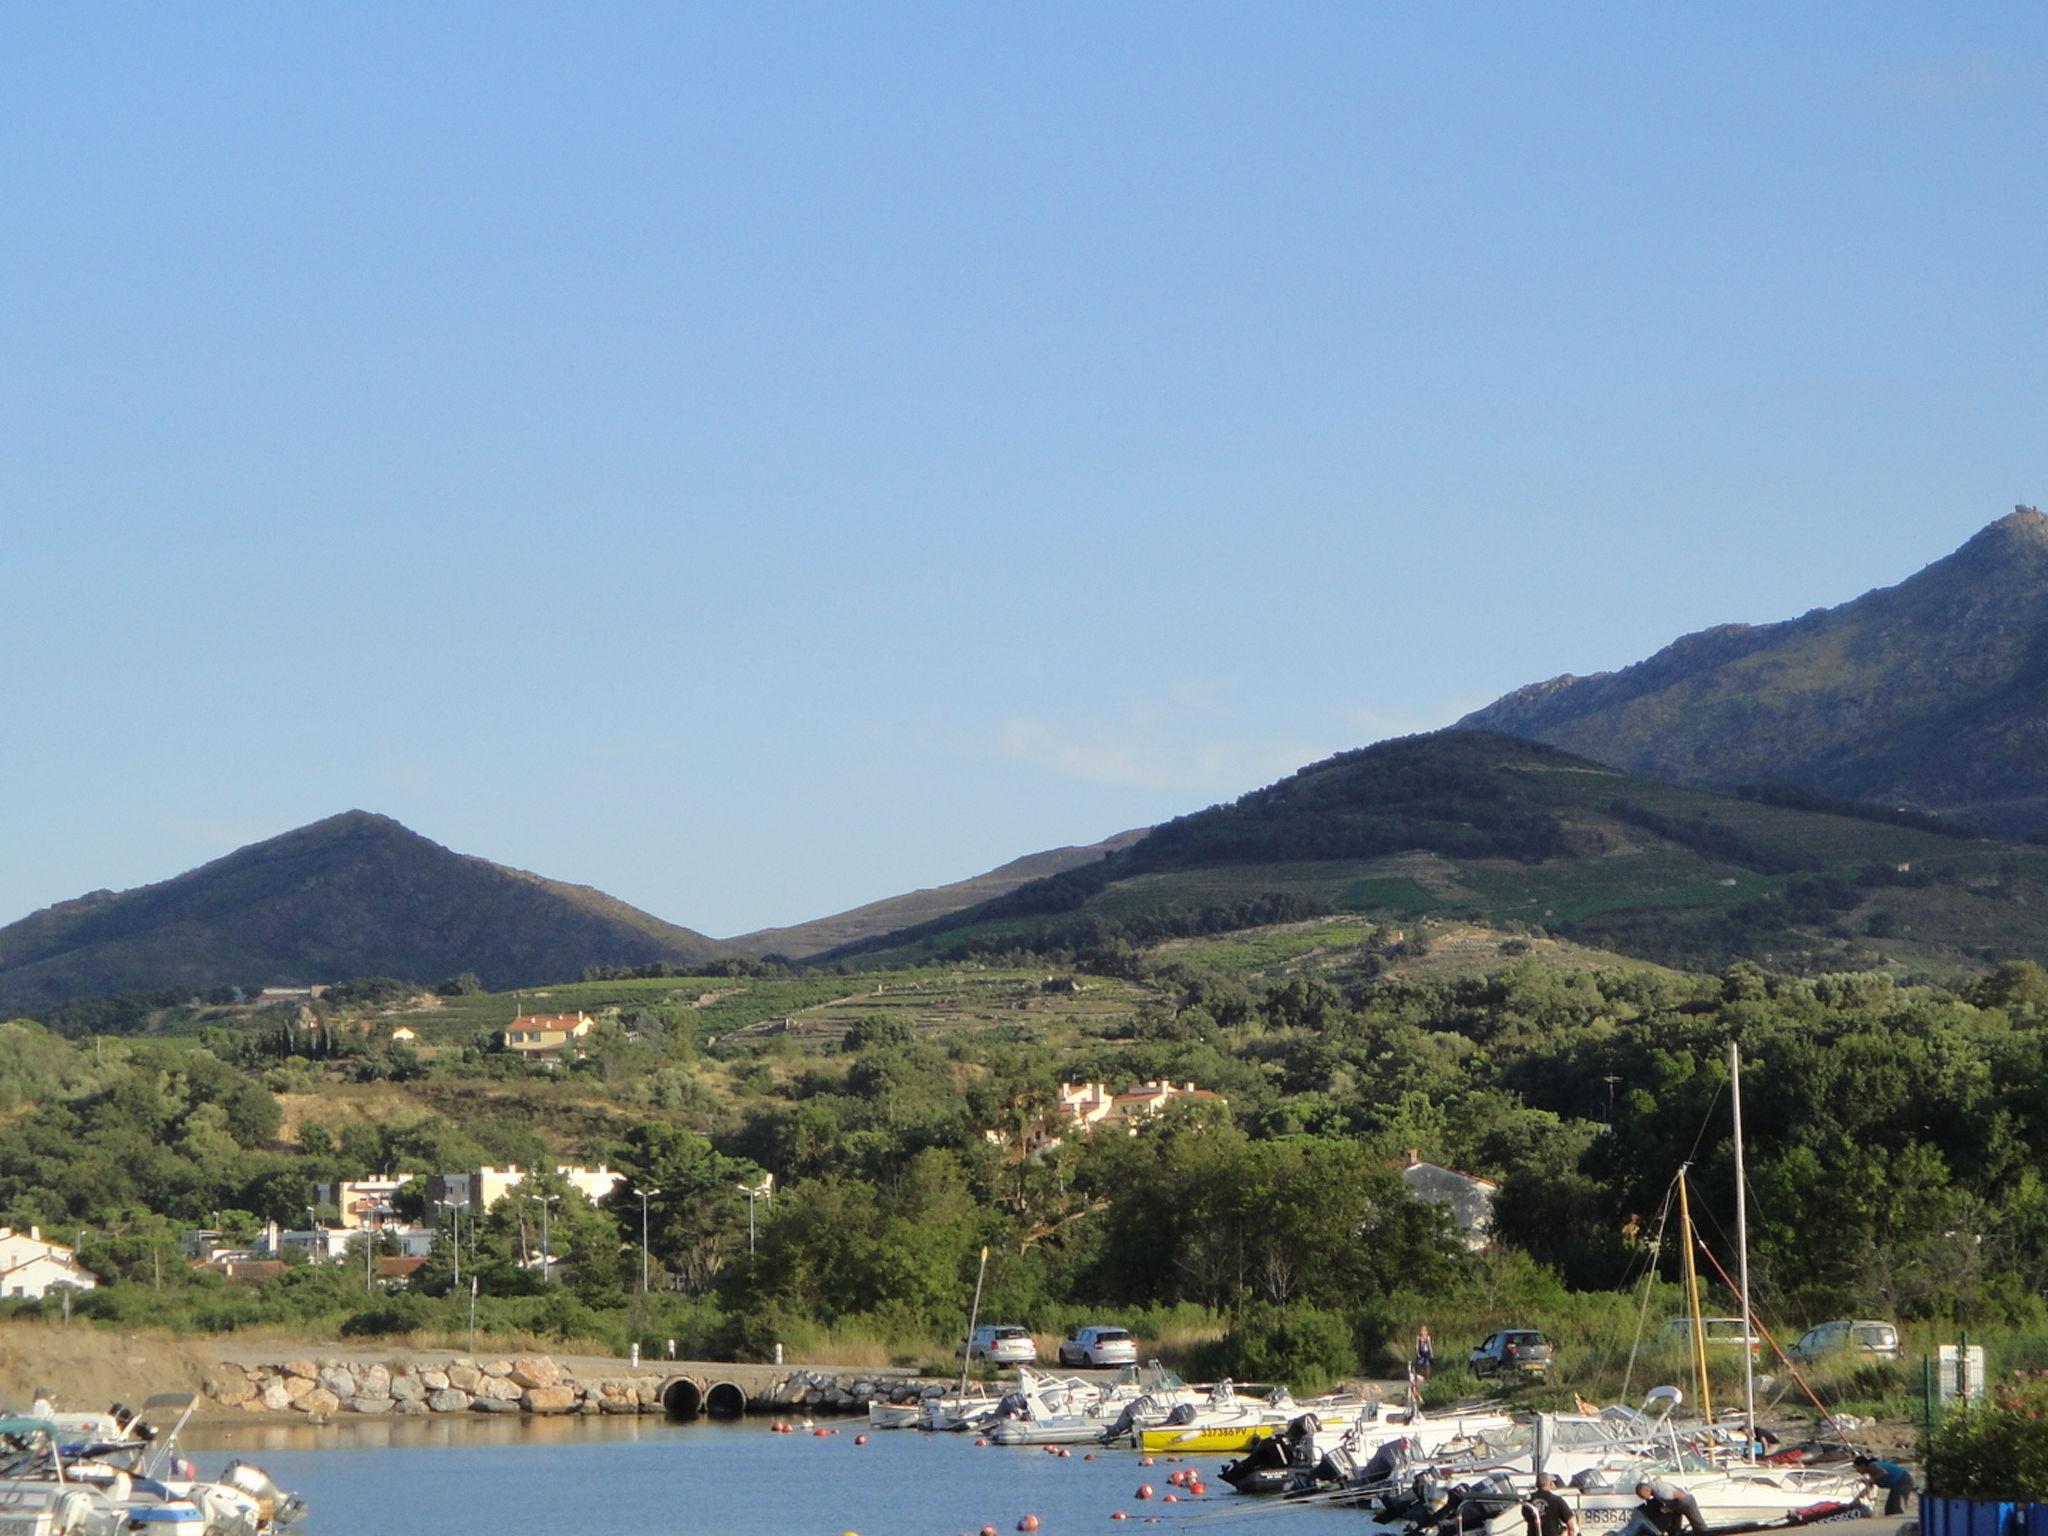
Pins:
x: 1512, y: 1351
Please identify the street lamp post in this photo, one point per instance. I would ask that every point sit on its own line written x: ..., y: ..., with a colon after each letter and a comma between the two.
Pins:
x: 645, y: 1195
x: 547, y: 1256
x: 753, y: 1192
x: 1610, y: 1080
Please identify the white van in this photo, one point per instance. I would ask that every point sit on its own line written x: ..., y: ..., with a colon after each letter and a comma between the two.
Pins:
x: 1874, y: 1340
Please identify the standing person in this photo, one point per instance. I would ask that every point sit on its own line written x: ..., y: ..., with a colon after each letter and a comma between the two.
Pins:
x: 1896, y: 1481
x: 1545, y: 1511
x: 1425, y: 1352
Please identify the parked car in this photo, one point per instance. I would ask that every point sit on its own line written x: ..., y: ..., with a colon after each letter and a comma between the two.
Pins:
x: 1873, y: 1340
x: 1720, y: 1331
x: 1002, y: 1344
x: 1512, y: 1351
x: 1099, y: 1345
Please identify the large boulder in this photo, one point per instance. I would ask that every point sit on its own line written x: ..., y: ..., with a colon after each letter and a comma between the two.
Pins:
x: 369, y: 1404
x: 409, y: 1389
x: 296, y: 1387
x: 536, y: 1371
x: 497, y: 1368
x: 231, y: 1388
x: 339, y: 1380
x: 305, y: 1368
x: 449, y: 1400
x: 319, y: 1400
x: 548, y: 1399
x: 495, y: 1405
x: 275, y: 1398
x: 375, y: 1380
x: 463, y: 1375
x: 497, y: 1389
x: 435, y: 1381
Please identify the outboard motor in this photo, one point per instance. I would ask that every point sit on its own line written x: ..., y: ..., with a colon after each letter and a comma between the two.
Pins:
x: 1269, y: 1465
x: 1183, y: 1413
x: 272, y: 1502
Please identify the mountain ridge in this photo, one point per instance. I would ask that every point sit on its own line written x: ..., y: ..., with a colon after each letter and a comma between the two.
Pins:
x: 799, y: 941
x: 1932, y: 692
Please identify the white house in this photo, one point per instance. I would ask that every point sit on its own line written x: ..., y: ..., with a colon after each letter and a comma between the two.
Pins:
x: 1468, y: 1197
x: 1094, y: 1104
x: 30, y: 1267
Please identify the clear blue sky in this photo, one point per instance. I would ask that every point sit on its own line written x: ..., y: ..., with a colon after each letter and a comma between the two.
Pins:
x: 760, y: 458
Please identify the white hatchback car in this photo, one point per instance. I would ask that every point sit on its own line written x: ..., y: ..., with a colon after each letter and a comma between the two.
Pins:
x: 1099, y: 1346
x: 1001, y: 1344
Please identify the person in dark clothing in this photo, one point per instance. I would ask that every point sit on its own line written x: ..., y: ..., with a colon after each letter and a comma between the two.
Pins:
x: 1896, y: 1481
x: 1666, y: 1510
x: 1425, y: 1353
x: 1546, y: 1513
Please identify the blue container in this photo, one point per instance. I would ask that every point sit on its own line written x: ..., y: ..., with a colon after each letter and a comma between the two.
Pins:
x: 1982, y: 1517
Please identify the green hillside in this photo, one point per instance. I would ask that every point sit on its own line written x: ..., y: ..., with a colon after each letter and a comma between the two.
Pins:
x: 1476, y: 828
x: 1932, y: 693
x: 353, y: 895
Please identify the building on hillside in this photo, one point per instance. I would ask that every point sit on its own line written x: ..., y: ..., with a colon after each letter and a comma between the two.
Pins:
x: 270, y: 996
x: 31, y: 1268
x: 405, y: 1034
x: 364, y: 1202
x: 1094, y: 1104
x: 487, y: 1186
x: 1469, y: 1197
x: 538, y: 1036
x: 332, y: 1245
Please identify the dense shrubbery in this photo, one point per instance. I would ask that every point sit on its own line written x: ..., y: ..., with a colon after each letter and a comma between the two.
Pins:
x: 1884, y: 1121
x: 1998, y: 1450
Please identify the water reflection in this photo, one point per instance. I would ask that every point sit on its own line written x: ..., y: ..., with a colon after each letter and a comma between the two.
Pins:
x: 357, y: 1433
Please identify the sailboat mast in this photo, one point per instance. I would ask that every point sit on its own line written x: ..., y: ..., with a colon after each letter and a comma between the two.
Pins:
x: 973, y: 1318
x: 1742, y: 1254
x: 1692, y: 1297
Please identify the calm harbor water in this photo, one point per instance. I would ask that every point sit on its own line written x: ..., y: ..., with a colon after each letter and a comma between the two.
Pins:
x: 612, y: 1477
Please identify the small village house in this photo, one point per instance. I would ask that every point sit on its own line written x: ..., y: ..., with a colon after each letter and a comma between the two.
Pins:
x: 31, y: 1268
x: 542, y: 1035
x: 1468, y: 1197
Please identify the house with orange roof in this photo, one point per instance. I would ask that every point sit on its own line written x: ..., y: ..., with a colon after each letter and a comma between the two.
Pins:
x: 537, y: 1036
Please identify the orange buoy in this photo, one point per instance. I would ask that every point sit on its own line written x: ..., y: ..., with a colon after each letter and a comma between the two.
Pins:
x: 988, y: 1530
x: 1171, y: 1498
x: 1198, y: 1489
x: 1117, y: 1514
x: 980, y: 1440
x: 1052, y: 1450
x: 860, y: 1439
x: 1065, y: 1452
x: 1088, y: 1456
x: 1028, y: 1523
x: 1146, y: 1462
x: 1144, y: 1490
